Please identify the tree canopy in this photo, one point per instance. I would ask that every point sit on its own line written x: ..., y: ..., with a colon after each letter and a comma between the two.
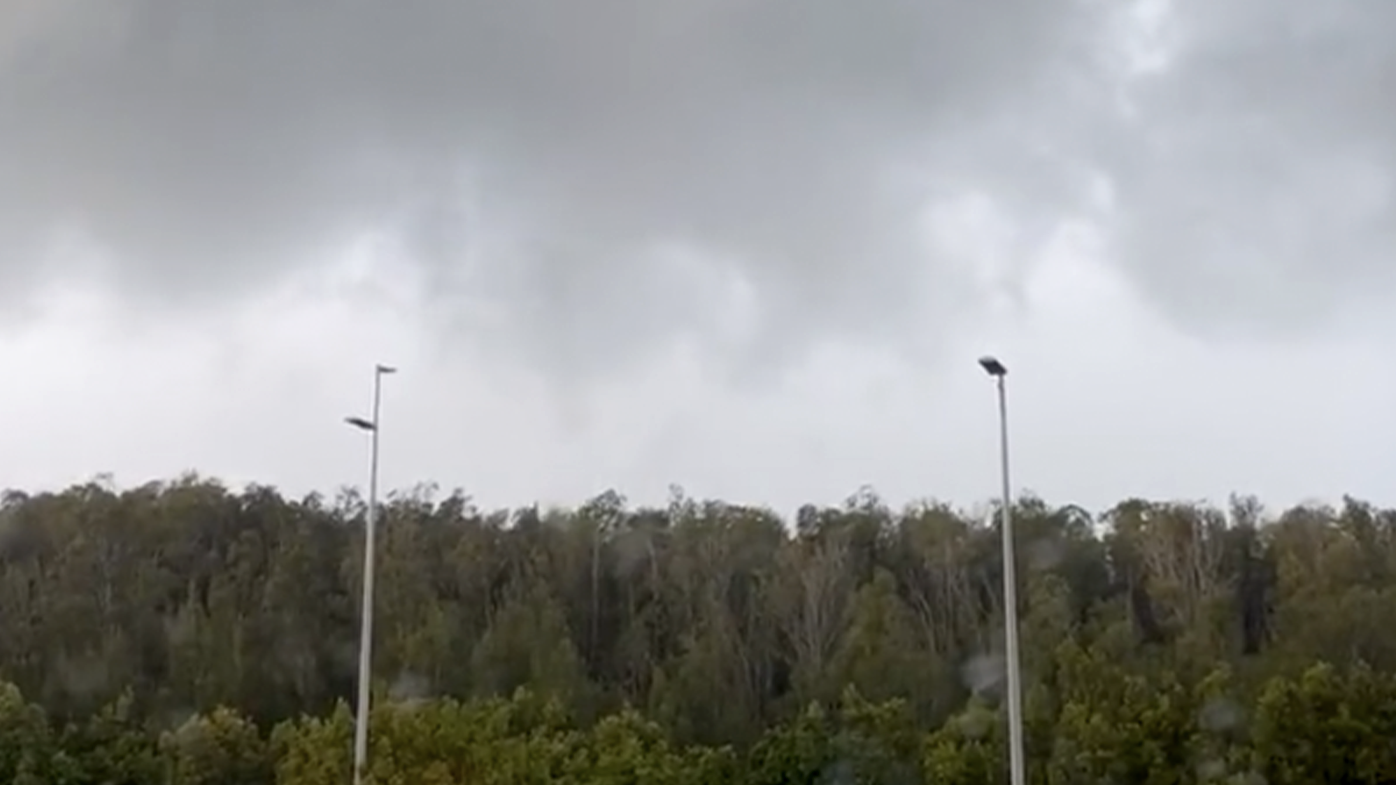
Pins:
x: 185, y: 633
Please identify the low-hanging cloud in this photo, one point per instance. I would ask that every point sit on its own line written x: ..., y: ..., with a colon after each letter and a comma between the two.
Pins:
x: 579, y: 182
x: 605, y: 146
x: 1255, y: 177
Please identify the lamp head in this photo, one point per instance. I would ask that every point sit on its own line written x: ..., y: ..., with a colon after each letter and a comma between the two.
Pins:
x: 992, y: 366
x: 361, y: 423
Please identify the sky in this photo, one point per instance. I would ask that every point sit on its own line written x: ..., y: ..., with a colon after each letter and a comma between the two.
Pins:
x: 749, y: 247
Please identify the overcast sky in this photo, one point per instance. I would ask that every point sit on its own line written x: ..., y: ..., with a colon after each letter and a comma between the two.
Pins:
x: 751, y: 247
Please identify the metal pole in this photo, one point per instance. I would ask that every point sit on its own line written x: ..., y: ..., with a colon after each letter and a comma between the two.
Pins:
x: 366, y: 614
x: 1016, y: 767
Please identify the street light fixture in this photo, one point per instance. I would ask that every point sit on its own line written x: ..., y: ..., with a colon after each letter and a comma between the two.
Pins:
x: 366, y: 605
x: 1016, y: 767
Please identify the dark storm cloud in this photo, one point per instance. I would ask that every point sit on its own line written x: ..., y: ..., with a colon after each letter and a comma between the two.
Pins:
x: 210, y: 145
x: 1255, y: 182
x: 541, y: 159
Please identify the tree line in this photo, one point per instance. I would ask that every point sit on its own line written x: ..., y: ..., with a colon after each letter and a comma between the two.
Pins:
x: 183, y: 632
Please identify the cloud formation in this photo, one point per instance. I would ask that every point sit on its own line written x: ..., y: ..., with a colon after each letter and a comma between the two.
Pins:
x: 589, y: 176
x: 576, y: 184
x: 1255, y: 175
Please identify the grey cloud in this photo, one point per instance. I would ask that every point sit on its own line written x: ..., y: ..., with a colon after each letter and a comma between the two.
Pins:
x: 211, y: 145
x: 1255, y: 182
x: 541, y: 160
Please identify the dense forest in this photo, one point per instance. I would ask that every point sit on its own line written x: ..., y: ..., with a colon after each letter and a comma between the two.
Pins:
x: 185, y: 633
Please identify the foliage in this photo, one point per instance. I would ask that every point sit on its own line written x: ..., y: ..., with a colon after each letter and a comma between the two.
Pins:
x: 184, y: 634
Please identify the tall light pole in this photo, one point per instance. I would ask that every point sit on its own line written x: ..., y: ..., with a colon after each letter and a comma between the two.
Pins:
x: 1016, y: 767
x: 366, y: 610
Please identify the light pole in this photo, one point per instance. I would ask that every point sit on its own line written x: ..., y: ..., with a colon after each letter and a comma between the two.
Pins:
x: 366, y: 610
x: 1016, y: 768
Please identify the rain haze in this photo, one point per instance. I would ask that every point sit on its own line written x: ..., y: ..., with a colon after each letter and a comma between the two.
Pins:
x: 750, y: 247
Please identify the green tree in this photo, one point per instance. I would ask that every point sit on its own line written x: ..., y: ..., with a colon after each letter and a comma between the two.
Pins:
x: 24, y: 738
x: 220, y: 748
x: 1327, y: 726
